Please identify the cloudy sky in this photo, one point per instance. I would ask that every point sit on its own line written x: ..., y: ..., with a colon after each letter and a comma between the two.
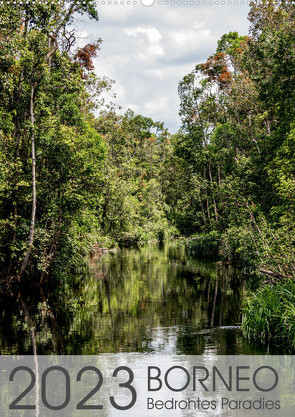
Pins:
x: 147, y: 50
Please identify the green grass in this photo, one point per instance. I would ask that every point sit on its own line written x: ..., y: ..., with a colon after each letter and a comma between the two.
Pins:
x: 269, y: 316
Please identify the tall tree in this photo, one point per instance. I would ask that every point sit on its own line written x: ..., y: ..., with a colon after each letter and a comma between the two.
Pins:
x: 43, y: 76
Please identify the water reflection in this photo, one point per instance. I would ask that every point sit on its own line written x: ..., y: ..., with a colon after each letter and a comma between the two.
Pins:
x: 152, y: 299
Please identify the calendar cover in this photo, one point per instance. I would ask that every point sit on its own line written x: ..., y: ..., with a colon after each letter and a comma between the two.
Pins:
x: 147, y: 196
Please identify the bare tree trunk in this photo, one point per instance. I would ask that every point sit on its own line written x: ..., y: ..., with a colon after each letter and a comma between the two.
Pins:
x: 49, y: 58
x: 206, y: 194
x: 105, y: 207
x: 213, y: 194
x: 205, y: 139
x: 203, y: 213
x: 34, y: 199
x: 218, y: 171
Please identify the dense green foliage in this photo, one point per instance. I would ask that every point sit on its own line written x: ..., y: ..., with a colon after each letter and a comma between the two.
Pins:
x: 51, y: 155
x: 235, y: 159
x: 69, y: 181
x: 234, y: 151
x: 133, y: 205
x: 206, y: 245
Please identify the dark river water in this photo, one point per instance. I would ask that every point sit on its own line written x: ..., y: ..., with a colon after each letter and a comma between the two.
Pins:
x: 153, y: 299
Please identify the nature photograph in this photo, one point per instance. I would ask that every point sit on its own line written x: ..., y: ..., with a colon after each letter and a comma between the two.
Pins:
x: 147, y: 177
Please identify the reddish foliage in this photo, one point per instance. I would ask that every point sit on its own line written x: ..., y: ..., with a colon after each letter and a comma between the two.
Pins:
x: 84, y: 56
x: 216, y: 68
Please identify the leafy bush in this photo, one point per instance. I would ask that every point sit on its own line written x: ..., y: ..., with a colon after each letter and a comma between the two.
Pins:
x: 159, y: 230
x: 204, y: 245
x: 237, y: 247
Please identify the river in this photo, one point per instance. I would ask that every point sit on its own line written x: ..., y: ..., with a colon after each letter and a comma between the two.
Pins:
x: 152, y: 299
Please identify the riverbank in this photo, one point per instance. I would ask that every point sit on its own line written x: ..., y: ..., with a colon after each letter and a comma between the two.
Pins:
x: 269, y: 313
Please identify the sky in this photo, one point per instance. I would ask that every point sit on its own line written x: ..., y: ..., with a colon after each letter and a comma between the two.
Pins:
x: 147, y: 50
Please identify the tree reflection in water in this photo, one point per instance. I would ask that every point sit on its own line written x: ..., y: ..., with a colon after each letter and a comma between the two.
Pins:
x: 149, y: 299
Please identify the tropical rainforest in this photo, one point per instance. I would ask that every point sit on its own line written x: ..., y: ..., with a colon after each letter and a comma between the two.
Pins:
x: 77, y: 175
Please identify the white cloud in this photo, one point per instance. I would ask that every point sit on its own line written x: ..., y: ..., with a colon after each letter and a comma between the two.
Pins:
x: 158, y: 104
x: 155, y: 72
x: 193, y: 36
x: 82, y: 34
x: 148, y: 45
